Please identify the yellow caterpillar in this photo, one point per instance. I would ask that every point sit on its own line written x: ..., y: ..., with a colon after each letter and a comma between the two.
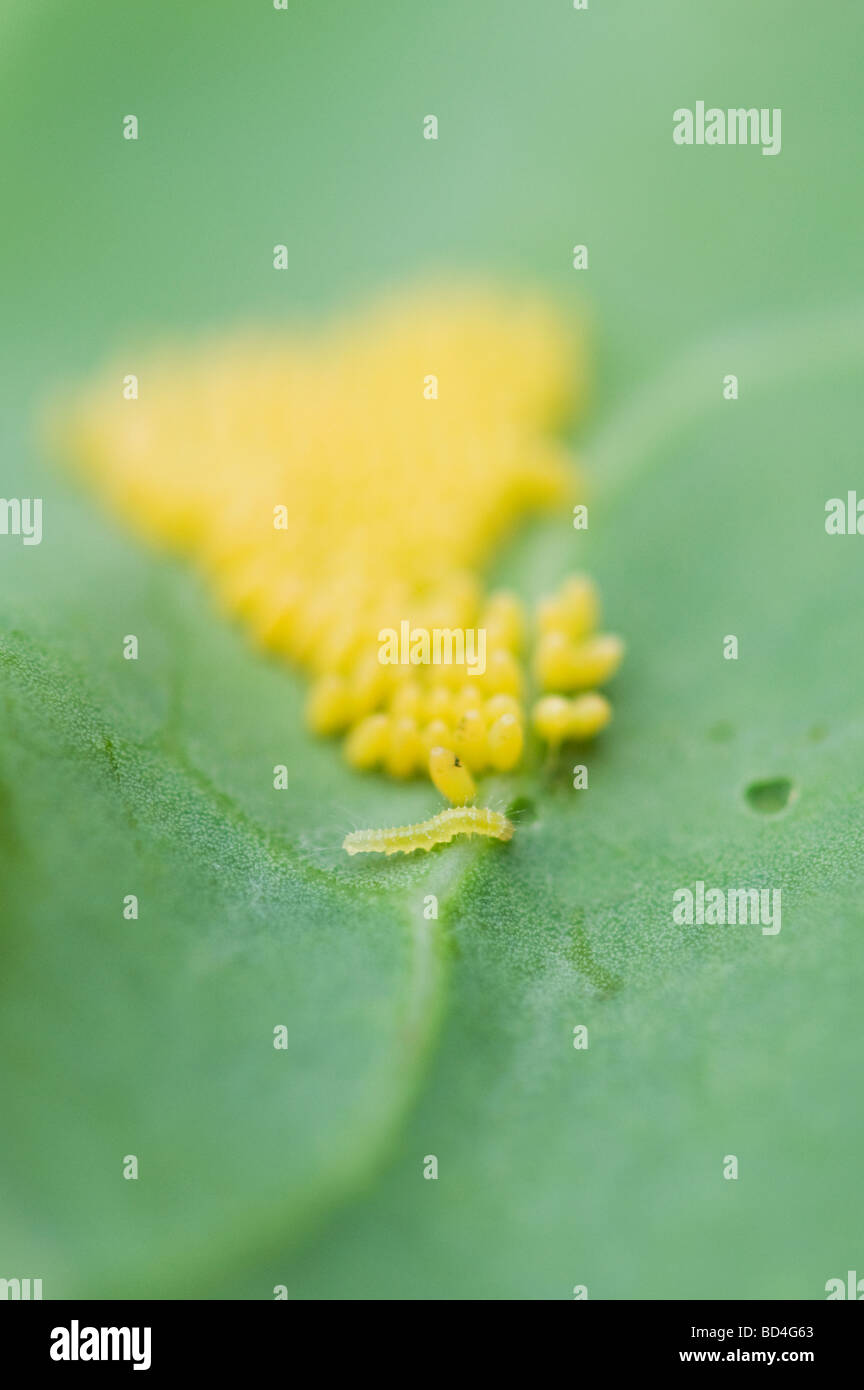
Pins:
x: 438, y: 830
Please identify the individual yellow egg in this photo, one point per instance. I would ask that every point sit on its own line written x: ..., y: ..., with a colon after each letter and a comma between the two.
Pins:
x: 367, y: 686
x: 469, y: 697
x: 434, y: 734
x: 580, y: 605
x: 550, y: 614
x: 366, y: 744
x: 450, y: 776
x: 328, y: 706
x: 273, y: 619
x: 505, y: 743
x: 551, y: 718
x: 503, y: 619
x: 589, y: 714
x: 438, y: 703
x: 338, y: 650
x: 406, y: 699
x: 470, y: 740
x: 404, y: 749
x: 595, y: 661
x: 497, y: 705
x: 503, y: 674
x: 553, y: 661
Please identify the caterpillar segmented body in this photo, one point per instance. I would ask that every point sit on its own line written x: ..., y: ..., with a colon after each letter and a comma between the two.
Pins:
x: 438, y: 830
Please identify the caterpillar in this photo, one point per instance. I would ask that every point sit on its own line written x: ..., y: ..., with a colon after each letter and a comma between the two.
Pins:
x: 437, y: 830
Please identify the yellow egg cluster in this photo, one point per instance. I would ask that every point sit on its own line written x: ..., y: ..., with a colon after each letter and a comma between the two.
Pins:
x: 436, y: 721
x: 558, y: 720
x: 570, y: 655
x: 479, y: 720
x: 336, y: 482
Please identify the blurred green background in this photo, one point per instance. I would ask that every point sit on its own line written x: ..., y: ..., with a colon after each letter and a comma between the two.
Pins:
x: 303, y: 1168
